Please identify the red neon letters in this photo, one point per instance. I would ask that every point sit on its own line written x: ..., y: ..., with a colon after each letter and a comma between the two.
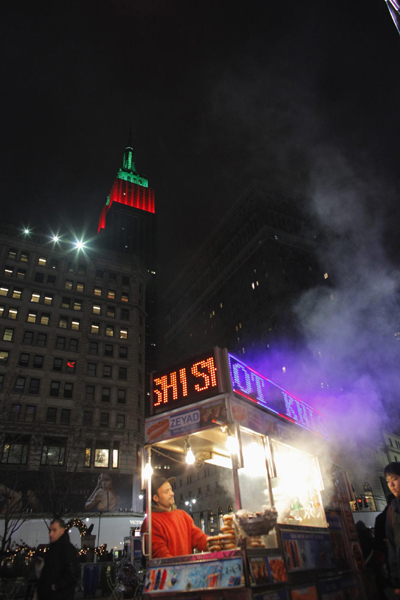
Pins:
x: 197, y: 378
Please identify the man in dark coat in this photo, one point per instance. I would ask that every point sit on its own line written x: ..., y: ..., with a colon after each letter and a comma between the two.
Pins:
x: 61, y: 570
x: 392, y: 474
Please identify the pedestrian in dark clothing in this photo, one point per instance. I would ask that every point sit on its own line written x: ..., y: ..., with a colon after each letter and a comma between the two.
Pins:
x: 61, y: 569
x: 381, y: 549
x: 392, y: 474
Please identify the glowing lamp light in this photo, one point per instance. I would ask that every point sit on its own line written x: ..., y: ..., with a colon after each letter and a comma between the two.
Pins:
x: 79, y: 244
x: 232, y: 444
x: 194, y: 501
x: 26, y: 231
x: 148, y: 471
x: 190, y: 457
x: 55, y: 238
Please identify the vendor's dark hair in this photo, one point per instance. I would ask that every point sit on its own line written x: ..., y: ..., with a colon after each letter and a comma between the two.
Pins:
x: 392, y: 468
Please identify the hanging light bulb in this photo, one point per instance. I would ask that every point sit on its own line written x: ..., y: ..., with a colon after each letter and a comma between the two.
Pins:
x: 148, y: 471
x: 190, y: 457
x: 231, y: 443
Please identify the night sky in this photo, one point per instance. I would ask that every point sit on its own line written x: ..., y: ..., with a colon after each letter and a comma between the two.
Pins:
x: 218, y: 93
x: 304, y: 96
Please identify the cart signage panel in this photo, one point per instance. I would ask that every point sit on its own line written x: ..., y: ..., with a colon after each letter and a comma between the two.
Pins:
x: 185, y: 383
x: 253, y: 386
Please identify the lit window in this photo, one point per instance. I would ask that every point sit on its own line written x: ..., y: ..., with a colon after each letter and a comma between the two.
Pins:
x: 326, y: 275
x: 111, y: 294
x: 12, y: 254
x: 75, y: 325
x: 123, y: 334
x: 42, y: 261
x: 1, y: 310
x: 3, y: 291
x: 101, y: 457
x: 80, y: 287
x: 24, y: 256
x: 110, y: 311
x: 97, y: 291
x: 12, y: 313
x: 21, y: 274
x: 45, y: 319
x: 124, y: 297
x: 109, y: 330
x: 63, y: 322
x: 115, y: 454
x: 53, y: 451
x: 95, y: 328
x: 15, y: 450
x: 96, y: 309
x: 17, y: 294
x: 48, y: 299
x: 65, y: 302
x: 68, y: 284
x: 35, y: 297
x: 32, y: 316
x: 4, y: 354
x: 77, y: 305
x: 8, y: 272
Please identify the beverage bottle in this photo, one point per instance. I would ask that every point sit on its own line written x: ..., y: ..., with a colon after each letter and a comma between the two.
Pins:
x: 158, y: 579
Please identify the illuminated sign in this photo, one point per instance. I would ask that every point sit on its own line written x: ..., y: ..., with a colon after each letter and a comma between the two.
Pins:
x: 185, y: 383
x: 249, y: 384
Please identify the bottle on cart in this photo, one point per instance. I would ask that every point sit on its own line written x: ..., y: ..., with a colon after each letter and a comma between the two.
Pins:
x: 220, y: 518
x: 211, y: 524
x: 202, y: 522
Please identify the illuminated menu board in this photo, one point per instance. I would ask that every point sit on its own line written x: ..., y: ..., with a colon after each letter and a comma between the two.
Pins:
x: 253, y: 386
x: 185, y: 383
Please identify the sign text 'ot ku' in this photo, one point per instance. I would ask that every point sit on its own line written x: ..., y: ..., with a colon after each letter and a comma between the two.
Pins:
x: 185, y: 383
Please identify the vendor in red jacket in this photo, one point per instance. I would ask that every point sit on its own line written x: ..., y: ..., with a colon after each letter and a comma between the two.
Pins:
x: 173, y: 530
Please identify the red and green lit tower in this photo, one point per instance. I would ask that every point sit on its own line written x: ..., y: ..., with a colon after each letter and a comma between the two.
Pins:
x: 127, y: 220
x: 127, y: 225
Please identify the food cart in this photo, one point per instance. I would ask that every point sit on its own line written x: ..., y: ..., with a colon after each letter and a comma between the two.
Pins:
x: 289, y: 533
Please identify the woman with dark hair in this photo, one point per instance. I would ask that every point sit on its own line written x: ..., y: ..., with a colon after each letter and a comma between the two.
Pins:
x: 104, y: 496
x: 392, y: 475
